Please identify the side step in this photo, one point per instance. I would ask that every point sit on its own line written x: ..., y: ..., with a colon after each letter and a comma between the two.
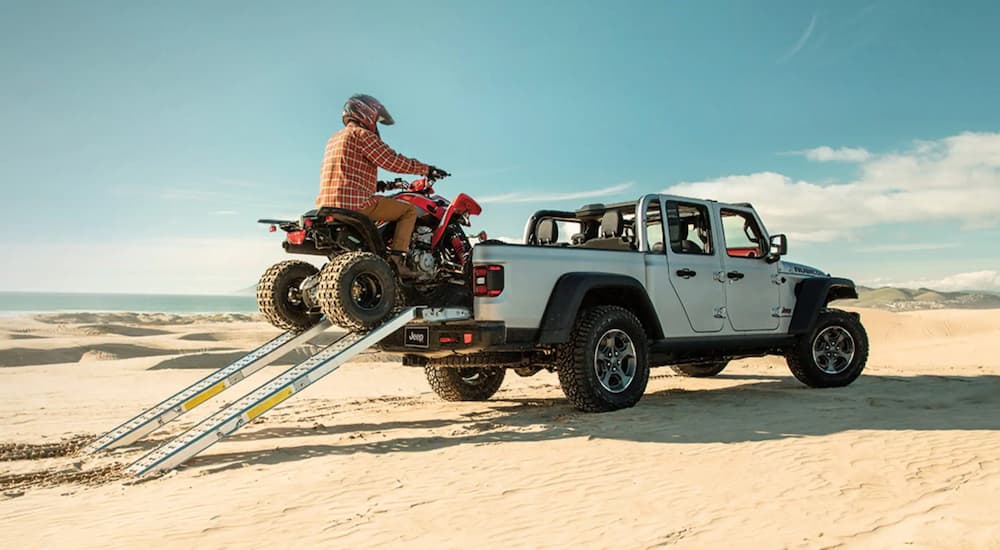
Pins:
x: 203, y: 390
x: 278, y: 389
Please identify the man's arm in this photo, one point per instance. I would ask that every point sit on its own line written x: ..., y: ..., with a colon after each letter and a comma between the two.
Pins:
x: 384, y: 157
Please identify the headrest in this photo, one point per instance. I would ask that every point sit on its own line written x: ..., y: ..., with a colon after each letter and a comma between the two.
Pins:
x: 547, y: 232
x: 612, y: 224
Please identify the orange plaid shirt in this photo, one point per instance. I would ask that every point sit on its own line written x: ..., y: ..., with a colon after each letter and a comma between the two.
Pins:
x: 350, y: 168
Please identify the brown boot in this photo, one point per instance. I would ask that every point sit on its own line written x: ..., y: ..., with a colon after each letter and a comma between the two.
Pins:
x: 398, y: 259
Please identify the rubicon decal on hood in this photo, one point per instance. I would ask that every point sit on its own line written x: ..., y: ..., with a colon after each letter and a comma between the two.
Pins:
x: 791, y: 267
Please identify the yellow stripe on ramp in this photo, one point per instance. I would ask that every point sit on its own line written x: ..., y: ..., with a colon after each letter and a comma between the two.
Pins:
x: 267, y: 404
x: 204, y: 396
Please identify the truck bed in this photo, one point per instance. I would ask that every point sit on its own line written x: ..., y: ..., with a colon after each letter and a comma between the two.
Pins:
x: 531, y: 272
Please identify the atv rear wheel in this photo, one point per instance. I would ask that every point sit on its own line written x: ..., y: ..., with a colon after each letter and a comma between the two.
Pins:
x: 279, y: 295
x: 464, y: 383
x: 358, y: 290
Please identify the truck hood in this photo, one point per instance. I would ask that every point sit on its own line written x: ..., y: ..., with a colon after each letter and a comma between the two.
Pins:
x: 800, y: 269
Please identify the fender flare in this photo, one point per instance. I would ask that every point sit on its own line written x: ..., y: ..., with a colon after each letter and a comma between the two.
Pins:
x: 571, y: 290
x: 812, y: 295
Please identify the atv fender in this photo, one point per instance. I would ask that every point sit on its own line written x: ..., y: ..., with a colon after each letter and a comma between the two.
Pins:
x: 812, y: 295
x: 574, y: 291
x: 463, y: 204
x: 361, y: 227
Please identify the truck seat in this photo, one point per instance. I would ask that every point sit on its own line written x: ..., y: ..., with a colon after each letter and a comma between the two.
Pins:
x: 612, y: 228
x: 547, y: 232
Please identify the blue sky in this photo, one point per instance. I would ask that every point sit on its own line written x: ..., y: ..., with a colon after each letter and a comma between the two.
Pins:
x: 141, y: 142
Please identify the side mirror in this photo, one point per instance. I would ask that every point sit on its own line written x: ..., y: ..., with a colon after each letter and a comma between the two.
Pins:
x: 779, y: 247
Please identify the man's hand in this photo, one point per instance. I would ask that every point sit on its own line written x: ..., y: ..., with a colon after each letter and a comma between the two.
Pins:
x: 435, y: 173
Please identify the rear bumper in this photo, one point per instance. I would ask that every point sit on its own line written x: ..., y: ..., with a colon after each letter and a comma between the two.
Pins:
x: 439, y: 340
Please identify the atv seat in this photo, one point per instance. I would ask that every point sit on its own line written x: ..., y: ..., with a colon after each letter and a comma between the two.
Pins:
x: 342, y: 215
x: 362, y: 224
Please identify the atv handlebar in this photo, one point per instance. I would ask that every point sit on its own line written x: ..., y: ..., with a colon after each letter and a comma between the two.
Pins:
x: 403, y: 185
x: 398, y: 183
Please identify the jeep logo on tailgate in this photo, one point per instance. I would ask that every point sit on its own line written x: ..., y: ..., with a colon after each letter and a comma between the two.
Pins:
x: 416, y: 337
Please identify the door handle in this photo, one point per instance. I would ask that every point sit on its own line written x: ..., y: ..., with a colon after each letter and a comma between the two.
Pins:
x: 735, y: 275
x: 686, y: 273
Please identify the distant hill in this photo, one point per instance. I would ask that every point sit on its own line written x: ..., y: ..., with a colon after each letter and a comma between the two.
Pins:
x: 906, y: 299
x: 248, y: 291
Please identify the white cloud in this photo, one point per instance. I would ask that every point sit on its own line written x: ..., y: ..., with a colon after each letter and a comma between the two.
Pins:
x: 826, y: 153
x: 801, y: 42
x: 953, y: 179
x: 551, y: 197
x: 905, y: 247
x: 973, y: 280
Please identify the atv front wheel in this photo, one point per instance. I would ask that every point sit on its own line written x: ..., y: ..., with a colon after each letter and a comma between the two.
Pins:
x: 279, y: 295
x: 833, y: 354
x: 358, y: 290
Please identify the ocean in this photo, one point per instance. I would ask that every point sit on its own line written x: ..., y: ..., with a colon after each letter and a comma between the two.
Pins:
x: 27, y: 303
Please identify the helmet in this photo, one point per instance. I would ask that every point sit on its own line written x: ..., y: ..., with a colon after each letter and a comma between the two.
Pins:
x: 366, y: 111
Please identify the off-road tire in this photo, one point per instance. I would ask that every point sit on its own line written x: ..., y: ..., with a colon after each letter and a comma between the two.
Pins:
x: 700, y: 370
x: 453, y: 383
x: 805, y: 368
x: 335, y: 290
x: 575, y: 360
x: 273, y: 295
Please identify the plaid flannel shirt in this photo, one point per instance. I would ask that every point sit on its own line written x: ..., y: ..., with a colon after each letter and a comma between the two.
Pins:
x: 350, y: 168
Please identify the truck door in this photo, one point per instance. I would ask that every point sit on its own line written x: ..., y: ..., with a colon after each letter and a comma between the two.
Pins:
x: 752, y: 294
x: 694, y: 264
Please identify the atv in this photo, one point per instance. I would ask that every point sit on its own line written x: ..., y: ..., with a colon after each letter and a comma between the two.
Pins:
x: 358, y: 288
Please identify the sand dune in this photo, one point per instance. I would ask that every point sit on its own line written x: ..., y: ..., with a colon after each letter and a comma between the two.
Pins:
x: 907, y: 456
x: 32, y: 356
x: 120, y: 330
x: 148, y: 319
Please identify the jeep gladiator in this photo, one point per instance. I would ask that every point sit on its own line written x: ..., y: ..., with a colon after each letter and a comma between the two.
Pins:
x: 602, y: 294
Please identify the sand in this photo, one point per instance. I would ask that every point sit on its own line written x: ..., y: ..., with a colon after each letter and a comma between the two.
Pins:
x: 907, y: 456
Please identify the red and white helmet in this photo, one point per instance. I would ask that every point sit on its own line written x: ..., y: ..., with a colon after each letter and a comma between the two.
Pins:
x: 366, y: 111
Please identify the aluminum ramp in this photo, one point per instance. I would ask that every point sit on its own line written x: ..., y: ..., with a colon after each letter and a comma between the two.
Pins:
x: 152, y: 419
x: 278, y: 389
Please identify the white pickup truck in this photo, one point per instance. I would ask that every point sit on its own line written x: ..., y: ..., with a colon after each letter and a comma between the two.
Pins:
x: 602, y: 294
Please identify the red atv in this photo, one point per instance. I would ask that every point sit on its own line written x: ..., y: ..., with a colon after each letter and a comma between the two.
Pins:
x: 359, y: 288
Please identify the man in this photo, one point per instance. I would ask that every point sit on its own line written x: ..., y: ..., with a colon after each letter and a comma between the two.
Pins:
x: 350, y: 170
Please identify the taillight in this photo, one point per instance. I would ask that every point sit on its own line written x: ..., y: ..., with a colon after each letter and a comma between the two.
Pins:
x: 296, y: 237
x: 487, y: 280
